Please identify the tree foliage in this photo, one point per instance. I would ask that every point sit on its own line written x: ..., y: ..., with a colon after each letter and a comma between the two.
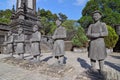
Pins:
x: 5, y: 16
x: 109, y: 8
x: 85, y: 21
x: 112, y: 38
x: 48, y: 15
x: 62, y: 17
x: 69, y: 24
x: 71, y: 27
x: 80, y: 39
x: 48, y: 21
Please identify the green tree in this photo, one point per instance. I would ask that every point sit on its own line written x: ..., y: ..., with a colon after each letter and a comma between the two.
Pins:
x: 112, y: 38
x: 71, y: 27
x: 80, y: 39
x: 46, y: 26
x: 85, y: 21
x: 48, y: 20
x: 48, y: 15
x: 5, y: 16
x: 69, y: 24
x: 109, y: 8
x: 62, y: 17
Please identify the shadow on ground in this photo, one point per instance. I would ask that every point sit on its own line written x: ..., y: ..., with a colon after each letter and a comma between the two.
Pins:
x: 113, y: 65
x: 50, y: 57
x: 83, y: 63
x: 47, y: 58
x: 117, y: 57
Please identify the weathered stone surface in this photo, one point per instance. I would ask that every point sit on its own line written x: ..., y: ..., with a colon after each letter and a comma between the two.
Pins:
x: 35, y: 42
x: 96, y: 33
x: 87, y: 75
x: 59, y: 36
x: 57, y: 70
x: 25, y: 64
x: 78, y: 72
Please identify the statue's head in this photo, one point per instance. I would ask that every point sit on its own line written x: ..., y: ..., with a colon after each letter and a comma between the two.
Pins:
x: 20, y: 30
x: 9, y: 33
x: 58, y: 22
x: 35, y: 28
x: 96, y: 15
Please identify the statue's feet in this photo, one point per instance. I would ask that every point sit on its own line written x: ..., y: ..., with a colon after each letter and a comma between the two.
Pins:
x: 61, y: 61
x: 36, y: 59
x: 11, y: 55
x: 93, y: 70
x: 21, y: 56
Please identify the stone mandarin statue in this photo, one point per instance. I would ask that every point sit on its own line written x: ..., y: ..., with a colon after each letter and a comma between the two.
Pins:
x: 59, y: 46
x: 20, y: 49
x: 35, y: 43
x: 9, y: 44
x: 96, y: 33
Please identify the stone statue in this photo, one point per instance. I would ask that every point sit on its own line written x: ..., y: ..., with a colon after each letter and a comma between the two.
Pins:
x: 58, y: 48
x: 20, y: 49
x: 9, y: 44
x: 96, y: 33
x: 35, y: 43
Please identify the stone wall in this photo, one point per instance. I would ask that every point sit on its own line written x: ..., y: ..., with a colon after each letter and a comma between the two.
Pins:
x: 4, y: 28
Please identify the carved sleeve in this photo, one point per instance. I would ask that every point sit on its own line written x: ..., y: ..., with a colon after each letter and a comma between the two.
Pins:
x: 104, y: 31
x: 54, y: 35
x: 10, y: 40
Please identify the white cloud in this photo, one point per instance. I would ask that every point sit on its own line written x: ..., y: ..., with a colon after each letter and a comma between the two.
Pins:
x: 80, y: 2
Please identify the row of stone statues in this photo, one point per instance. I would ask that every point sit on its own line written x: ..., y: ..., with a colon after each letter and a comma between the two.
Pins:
x: 58, y: 37
x: 20, y: 43
x: 96, y: 33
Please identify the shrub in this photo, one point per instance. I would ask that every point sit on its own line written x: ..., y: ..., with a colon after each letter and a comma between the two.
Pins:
x: 112, y: 38
x: 80, y: 39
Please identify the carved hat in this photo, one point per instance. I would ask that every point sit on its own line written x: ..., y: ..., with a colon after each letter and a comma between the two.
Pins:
x: 97, y: 11
x: 58, y: 22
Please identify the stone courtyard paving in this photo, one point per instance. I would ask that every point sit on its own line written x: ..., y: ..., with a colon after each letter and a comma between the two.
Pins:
x: 77, y: 63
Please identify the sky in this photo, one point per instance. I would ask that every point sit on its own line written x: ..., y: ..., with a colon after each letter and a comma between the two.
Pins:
x: 71, y: 8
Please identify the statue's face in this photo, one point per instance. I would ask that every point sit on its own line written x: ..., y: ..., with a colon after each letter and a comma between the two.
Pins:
x: 9, y: 33
x: 96, y: 16
x: 58, y: 23
x: 20, y: 30
x: 35, y: 28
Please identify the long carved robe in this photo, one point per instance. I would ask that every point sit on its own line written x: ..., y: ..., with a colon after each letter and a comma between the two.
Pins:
x: 10, y: 48
x: 20, y: 49
x: 96, y: 33
x: 59, y: 46
x: 35, y: 43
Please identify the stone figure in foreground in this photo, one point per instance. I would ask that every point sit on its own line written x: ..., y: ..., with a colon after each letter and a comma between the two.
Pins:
x: 96, y: 33
x: 20, y: 49
x: 9, y: 44
x: 59, y: 46
x: 35, y: 43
